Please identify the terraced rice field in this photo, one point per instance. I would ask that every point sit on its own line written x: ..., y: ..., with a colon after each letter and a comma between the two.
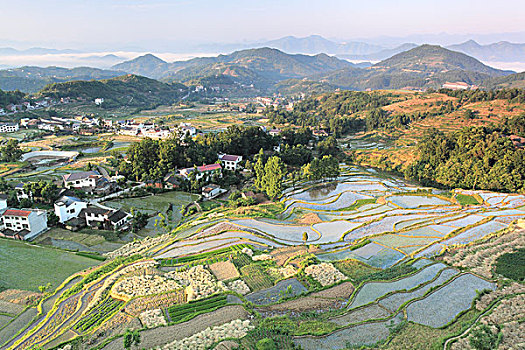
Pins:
x: 374, y: 290
x: 443, y: 305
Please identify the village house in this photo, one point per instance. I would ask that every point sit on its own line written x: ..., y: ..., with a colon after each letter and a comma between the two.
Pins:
x: 3, y: 201
x: 8, y: 127
x: 186, y: 129
x: 211, y: 191
x: 104, y: 218
x: 204, y: 171
x: 230, y: 162
x: 81, y: 179
x: 171, y: 182
x: 274, y: 132
x: 68, y: 207
x: 459, y: 85
x: 22, y: 224
x: 21, y: 193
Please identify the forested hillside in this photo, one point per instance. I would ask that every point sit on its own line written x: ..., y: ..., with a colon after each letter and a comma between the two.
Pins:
x: 127, y: 90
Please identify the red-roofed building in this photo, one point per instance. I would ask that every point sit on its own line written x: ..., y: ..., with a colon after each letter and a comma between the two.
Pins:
x: 22, y: 224
x: 202, y: 171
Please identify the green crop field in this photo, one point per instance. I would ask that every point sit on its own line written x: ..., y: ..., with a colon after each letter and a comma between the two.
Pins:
x: 31, y: 266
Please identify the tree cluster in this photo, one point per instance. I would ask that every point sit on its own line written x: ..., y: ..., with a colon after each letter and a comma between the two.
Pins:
x: 474, y: 158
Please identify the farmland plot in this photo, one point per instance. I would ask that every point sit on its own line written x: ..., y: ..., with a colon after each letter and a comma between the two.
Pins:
x: 369, y: 312
x: 465, y: 221
x: 413, y: 202
x: 334, y: 230
x: 392, y: 240
x: 394, y: 301
x: 364, y: 334
x: 442, y: 306
x: 286, y: 288
x: 428, y: 231
x: 385, y: 258
x: 346, y: 199
x: 374, y: 290
x: 475, y: 233
x: 290, y: 233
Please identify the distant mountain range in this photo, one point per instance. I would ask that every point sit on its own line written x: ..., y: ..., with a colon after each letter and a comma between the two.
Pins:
x: 426, y: 66
x: 262, y: 67
x: 502, y: 51
x: 266, y: 70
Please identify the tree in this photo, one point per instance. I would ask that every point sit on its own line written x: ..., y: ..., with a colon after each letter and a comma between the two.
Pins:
x: 273, y: 177
x: 259, y: 171
x: 11, y: 152
x: 131, y: 338
x: 305, y: 237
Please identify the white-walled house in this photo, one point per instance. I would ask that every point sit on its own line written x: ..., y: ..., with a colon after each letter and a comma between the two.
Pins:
x: 68, y: 207
x: 204, y: 171
x: 82, y: 179
x: 21, y: 193
x: 8, y: 127
x: 3, y: 201
x: 211, y: 191
x: 230, y: 162
x: 103, y: 217
x: 22, y: 224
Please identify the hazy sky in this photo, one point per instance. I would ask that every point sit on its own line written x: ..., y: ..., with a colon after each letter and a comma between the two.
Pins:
x: 150, y: 23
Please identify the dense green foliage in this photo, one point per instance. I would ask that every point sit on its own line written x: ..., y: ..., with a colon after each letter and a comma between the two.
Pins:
x: 152, y: 159
x: 127, y: 90
x: 10, y: 97
x: 11, y: 151
x: 512, y: 95
x: 326, y: 167
x: 476, y: 157
x: 333, y: 111
x: 512, y: 265
x: 482, y: 338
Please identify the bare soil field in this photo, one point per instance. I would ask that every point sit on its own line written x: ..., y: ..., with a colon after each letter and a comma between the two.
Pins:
x: 224, y: 270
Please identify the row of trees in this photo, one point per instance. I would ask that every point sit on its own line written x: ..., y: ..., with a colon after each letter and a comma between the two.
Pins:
x: 269, y: 175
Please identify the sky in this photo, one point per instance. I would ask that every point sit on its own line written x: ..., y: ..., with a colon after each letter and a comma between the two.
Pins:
x: 172, y: 24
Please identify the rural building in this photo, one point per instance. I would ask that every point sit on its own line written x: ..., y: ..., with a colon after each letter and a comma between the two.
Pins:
x: 230, y: 162
x: 154, y: 184
x: 22, y: 224
x: 68, y: 207
x: 3, y: 201
x: 185, y: 129
x: 21, y: 193
x: 105, y: 218
x: 204, y: 171
x: 82, y: 179
x: 171, y: 182
x: 456, y: 86
x: 211, y: 191
x: 8, y: 127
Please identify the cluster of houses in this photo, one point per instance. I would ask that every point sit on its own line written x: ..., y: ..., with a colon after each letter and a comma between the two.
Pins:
x: 27, y: 106
x: 73, y: 212
x: 132, y: 128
